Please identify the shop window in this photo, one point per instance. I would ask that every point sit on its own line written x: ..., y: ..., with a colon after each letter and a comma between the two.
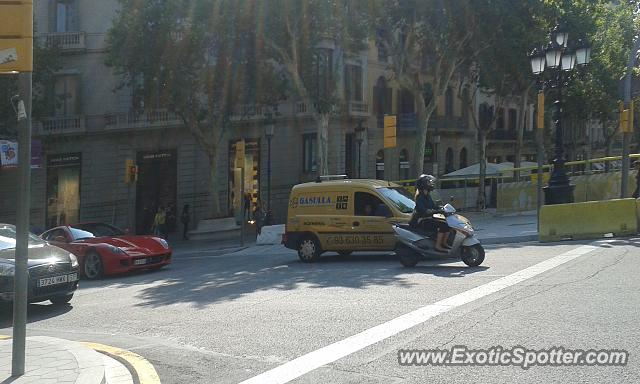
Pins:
x: 63, y: 189
x: 448, y: 166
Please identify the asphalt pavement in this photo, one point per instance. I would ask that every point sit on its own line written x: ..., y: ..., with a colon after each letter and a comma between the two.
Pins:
x: 216, y: 317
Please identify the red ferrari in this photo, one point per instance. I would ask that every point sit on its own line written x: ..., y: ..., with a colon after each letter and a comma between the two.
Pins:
x: 103, y: 249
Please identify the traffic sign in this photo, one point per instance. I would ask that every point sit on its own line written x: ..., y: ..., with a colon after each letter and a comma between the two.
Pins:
x: 16, y: 36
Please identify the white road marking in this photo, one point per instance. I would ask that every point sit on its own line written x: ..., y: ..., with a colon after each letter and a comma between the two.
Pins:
x: 326, y: 355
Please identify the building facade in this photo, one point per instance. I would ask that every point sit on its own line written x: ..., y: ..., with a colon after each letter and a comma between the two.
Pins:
x: 93, y: 132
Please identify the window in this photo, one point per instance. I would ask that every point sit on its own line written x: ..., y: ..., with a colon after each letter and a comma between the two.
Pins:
x: 448, y: 165
x: 448, y: 103
x: 500, y: 119
x: 309, y: 153
x: 382, y: 51
x: 323, y: 72
x: 380, y: 165
x: 65, y: 15
x: 513, y: 119
x: 353, y: 82
x: 404, y: 164
x: 406, y: 103
x: 381, y: 97
x: 465, y: 107
x: 100, y: 229
x: 66, y: 93
x: 463, y: 158
x: 51, y: 235
x: 366, y: 204
x: 400, y: 197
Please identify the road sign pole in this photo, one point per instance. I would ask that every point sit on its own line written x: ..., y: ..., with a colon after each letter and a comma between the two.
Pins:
x: 22, y: 230
x: 242, y: 206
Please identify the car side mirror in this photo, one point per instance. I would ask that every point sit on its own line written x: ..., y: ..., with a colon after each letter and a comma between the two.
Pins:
x: 60, y: 239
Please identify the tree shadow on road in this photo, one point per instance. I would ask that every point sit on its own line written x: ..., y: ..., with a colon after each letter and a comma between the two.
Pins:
x: 205, y: 281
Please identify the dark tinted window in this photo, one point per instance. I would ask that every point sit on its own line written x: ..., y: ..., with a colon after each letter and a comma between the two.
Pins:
x: 98, y: 230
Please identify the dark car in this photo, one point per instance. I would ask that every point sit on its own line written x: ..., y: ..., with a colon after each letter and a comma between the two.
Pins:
x: 53, y: 272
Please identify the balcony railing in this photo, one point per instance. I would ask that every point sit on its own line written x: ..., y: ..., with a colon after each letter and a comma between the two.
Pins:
x: 61, y: 125
x: 66, y: 41
x: 147, y: 119
x: 358, y: 109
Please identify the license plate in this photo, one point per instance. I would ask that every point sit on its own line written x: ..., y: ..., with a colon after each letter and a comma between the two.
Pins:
x: 46, y: 281
x: 140, y: 262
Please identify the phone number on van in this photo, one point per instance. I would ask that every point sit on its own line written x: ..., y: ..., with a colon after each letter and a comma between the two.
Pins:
x: 356, y: 239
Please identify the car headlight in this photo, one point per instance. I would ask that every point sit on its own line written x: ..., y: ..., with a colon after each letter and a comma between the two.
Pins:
x: 74, y: 260
x: 164, y: 243
x: 7, y: 270
x: 116, y: 250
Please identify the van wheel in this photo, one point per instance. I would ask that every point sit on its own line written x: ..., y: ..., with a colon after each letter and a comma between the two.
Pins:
x: 308, y: 249
x: 344, y: 253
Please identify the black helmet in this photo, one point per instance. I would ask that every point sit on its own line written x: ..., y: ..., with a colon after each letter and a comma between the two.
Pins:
x: 427, y: 182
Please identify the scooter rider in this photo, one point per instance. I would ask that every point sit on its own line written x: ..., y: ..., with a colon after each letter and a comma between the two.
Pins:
x: 425, y: 208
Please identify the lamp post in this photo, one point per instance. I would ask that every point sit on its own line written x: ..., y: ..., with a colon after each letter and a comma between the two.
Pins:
x: 361, y: 132
x: 560, y: 59
x: 268, y: 133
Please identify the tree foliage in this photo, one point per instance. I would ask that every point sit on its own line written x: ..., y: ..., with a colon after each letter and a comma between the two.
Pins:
x: 197, y: 58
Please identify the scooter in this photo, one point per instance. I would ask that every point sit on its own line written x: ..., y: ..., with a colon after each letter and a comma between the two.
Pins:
x: 414, y: 244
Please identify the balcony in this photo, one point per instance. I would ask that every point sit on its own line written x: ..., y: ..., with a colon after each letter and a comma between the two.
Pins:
x: 358, y: 109
x: 62, y: 125
x: 143, y: 120
x: 66, y: 41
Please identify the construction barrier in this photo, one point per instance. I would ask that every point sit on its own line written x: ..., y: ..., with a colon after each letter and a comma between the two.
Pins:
x: 588, y: 220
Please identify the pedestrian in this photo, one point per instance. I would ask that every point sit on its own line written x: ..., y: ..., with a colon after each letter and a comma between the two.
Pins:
x: 636, y: 193
x: 159, y: 227
x: 185, y: 218
x: 247, y: 206
x: 260, y: 216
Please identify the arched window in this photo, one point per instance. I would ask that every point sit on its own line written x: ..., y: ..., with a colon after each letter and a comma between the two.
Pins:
x: 448, y: 164
x: 448, y: 103
x: 380, y: 165
x: 404, y: 164
x: 463, y: 158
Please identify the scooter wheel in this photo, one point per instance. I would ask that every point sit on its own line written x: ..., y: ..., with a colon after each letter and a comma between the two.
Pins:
x: 408, y: 258
x: 473, y: 255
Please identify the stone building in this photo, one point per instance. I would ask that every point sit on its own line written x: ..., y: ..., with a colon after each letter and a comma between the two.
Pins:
x: 89, y: 137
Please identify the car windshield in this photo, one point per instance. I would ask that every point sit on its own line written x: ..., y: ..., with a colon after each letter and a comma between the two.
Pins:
x: 399, y: 197
x: 8, y: 237
x: 96, y: 230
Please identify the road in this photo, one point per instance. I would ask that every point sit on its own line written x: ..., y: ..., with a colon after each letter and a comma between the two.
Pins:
x: 212, y: 318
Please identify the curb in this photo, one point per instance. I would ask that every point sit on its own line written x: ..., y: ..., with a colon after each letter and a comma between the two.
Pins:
x: 508, y: 240
x: 142, y: 371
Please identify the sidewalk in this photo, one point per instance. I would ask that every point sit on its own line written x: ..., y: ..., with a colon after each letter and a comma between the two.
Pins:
x: 493, y: 228
x: 53, y: 360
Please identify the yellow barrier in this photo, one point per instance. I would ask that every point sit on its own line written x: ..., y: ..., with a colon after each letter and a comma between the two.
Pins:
x: 592, y: 219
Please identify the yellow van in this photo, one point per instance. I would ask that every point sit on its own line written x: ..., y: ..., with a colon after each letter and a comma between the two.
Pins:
x: 345, y: 216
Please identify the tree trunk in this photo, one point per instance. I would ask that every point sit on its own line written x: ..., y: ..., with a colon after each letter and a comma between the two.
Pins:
x: 520, y: 131
x: 323, y: 144
x: 423, y: 114
x: 212, y: 154
x: 482, y: 160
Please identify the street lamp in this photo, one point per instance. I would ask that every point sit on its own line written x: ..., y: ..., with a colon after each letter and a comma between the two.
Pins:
x: 560, y: 59
x: 268, y: 133
x: 361, y: 133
